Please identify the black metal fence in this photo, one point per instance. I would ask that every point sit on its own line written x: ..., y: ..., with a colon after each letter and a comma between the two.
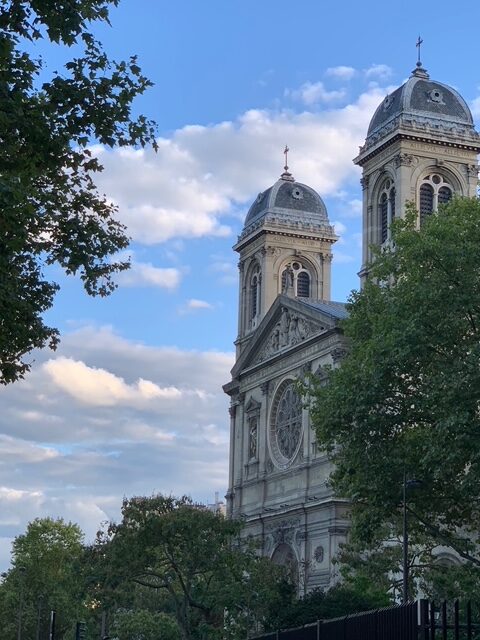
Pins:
x: 421, y: 620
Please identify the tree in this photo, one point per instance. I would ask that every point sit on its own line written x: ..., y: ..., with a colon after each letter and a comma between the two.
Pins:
x: 44, y: 575
x: 340, y: 600
x: 50, y: 210
x: 211, y: 585
x: 144, y: 625
x: 406, y: 399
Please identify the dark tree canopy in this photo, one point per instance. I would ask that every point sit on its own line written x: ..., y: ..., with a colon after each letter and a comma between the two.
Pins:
x: 407, y: 398
x: 192, y: 559
x: 50, y: 210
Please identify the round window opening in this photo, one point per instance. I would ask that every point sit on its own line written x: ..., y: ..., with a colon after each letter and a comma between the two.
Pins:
x: 285, y: 433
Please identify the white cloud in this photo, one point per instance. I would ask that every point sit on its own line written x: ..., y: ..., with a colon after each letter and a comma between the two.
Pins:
x: 201, y: 174
x: 312, y: 93
x: 144, y: 274
x: 380, y: 71
x: 351, y: 208
x: 226, y: 269
x: 340, y: 228
x: 100, y: 387
x: 475, y: 107
x: 342, y: 72
x: 342, y: 258
x: 120, y: 418
x: 195, y: 305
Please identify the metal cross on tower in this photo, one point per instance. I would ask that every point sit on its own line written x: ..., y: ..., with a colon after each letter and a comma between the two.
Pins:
x: 285, y: 151
x: 418, y: 45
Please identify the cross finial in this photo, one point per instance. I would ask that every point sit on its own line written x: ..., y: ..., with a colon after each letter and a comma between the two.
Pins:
x: 286, y: 175
x: 418, y: 45
x: 285, y: 151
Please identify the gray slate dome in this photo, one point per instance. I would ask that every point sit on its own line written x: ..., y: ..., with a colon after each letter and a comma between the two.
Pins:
x: 287, y: 203
x: 425, y: 100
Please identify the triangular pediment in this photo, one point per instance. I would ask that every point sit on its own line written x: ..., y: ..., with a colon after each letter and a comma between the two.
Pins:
x: 288, y: 323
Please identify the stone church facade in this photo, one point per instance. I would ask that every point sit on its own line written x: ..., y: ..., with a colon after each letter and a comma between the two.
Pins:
x: 421, y: 146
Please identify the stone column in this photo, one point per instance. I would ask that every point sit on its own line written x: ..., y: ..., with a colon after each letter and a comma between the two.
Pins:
x: 229, y: 496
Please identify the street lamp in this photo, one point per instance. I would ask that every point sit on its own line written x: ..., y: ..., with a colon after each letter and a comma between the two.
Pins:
x: 22, y: 571
x: 407, y: 484
x: 39, y: 614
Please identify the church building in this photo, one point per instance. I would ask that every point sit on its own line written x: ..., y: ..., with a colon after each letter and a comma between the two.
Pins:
x: 421, y: 146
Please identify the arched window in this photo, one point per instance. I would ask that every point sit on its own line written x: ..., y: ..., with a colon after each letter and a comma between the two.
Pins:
x: 434, y: 190
x: 386, y: 209
x: 426, y: 201
x: 384, y: 215
x: 296, y: 280
x: 254, y: 296
x: 444, y: 195
x: 303, y: 285
x: 392, y: 202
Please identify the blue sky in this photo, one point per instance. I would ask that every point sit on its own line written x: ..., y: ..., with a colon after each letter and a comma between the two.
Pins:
x: 131, y: 402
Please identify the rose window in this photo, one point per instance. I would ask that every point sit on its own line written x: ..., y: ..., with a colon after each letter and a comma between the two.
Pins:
x: 286, y: 424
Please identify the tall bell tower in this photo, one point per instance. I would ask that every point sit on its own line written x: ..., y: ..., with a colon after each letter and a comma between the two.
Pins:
x: 285, y: 247
x: 421, y: 147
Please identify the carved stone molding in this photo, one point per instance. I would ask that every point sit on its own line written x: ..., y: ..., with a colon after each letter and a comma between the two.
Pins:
x: 338, y: 354
x: 319, y: 554
x: 283, y: 531
x: 273, y: 251
x: 306, y: 368
x: 265, y: 387
x: 232, y: 410
x: 300, y: 536
x: 472, y: 170
x: 403, y: 160
x: 364, y: 182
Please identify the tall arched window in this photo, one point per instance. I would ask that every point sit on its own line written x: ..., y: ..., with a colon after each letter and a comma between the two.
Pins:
x: 434, y: 190
x: 386, y: 209
x: 296, y: 280
x: 254, y: 296
x: 303, y: 285
x: 384, y: 215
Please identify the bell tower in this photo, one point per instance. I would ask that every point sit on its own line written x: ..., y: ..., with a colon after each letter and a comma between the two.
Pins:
x: 285, y: 247
x: 421, y: 147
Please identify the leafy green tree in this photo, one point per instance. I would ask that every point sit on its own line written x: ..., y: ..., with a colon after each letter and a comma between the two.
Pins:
x: 44, y: 575
x: 50, y: 210
x: 340, y: 600
x: 406, y: 400
x: 214, y: 587
x: 144, y: 625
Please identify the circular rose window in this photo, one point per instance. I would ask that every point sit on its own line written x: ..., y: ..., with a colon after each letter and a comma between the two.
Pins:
x: 285, y: 424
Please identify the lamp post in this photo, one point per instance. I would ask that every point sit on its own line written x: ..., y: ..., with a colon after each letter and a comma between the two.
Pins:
x: 22, y: 571
x: 407, y: 484
x: 39, y: 614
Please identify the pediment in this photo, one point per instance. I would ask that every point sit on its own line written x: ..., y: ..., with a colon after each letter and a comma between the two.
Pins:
x: 288, y: 323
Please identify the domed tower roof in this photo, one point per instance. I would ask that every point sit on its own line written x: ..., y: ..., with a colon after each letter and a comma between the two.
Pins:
x: 423, y: 108
x: 291, y: 205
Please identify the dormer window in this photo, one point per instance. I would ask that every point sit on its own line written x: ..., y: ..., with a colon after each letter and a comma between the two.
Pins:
x: 296, y: 280
x: 386, y: 209
x: 434, y: 190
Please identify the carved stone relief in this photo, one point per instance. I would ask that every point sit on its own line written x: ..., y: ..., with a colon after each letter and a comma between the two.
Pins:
x: 404, y: 159
x: 338, y: 354
x: 290, y: 330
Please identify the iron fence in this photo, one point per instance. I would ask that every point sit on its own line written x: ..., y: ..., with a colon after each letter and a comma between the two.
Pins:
x: 421, y: 620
